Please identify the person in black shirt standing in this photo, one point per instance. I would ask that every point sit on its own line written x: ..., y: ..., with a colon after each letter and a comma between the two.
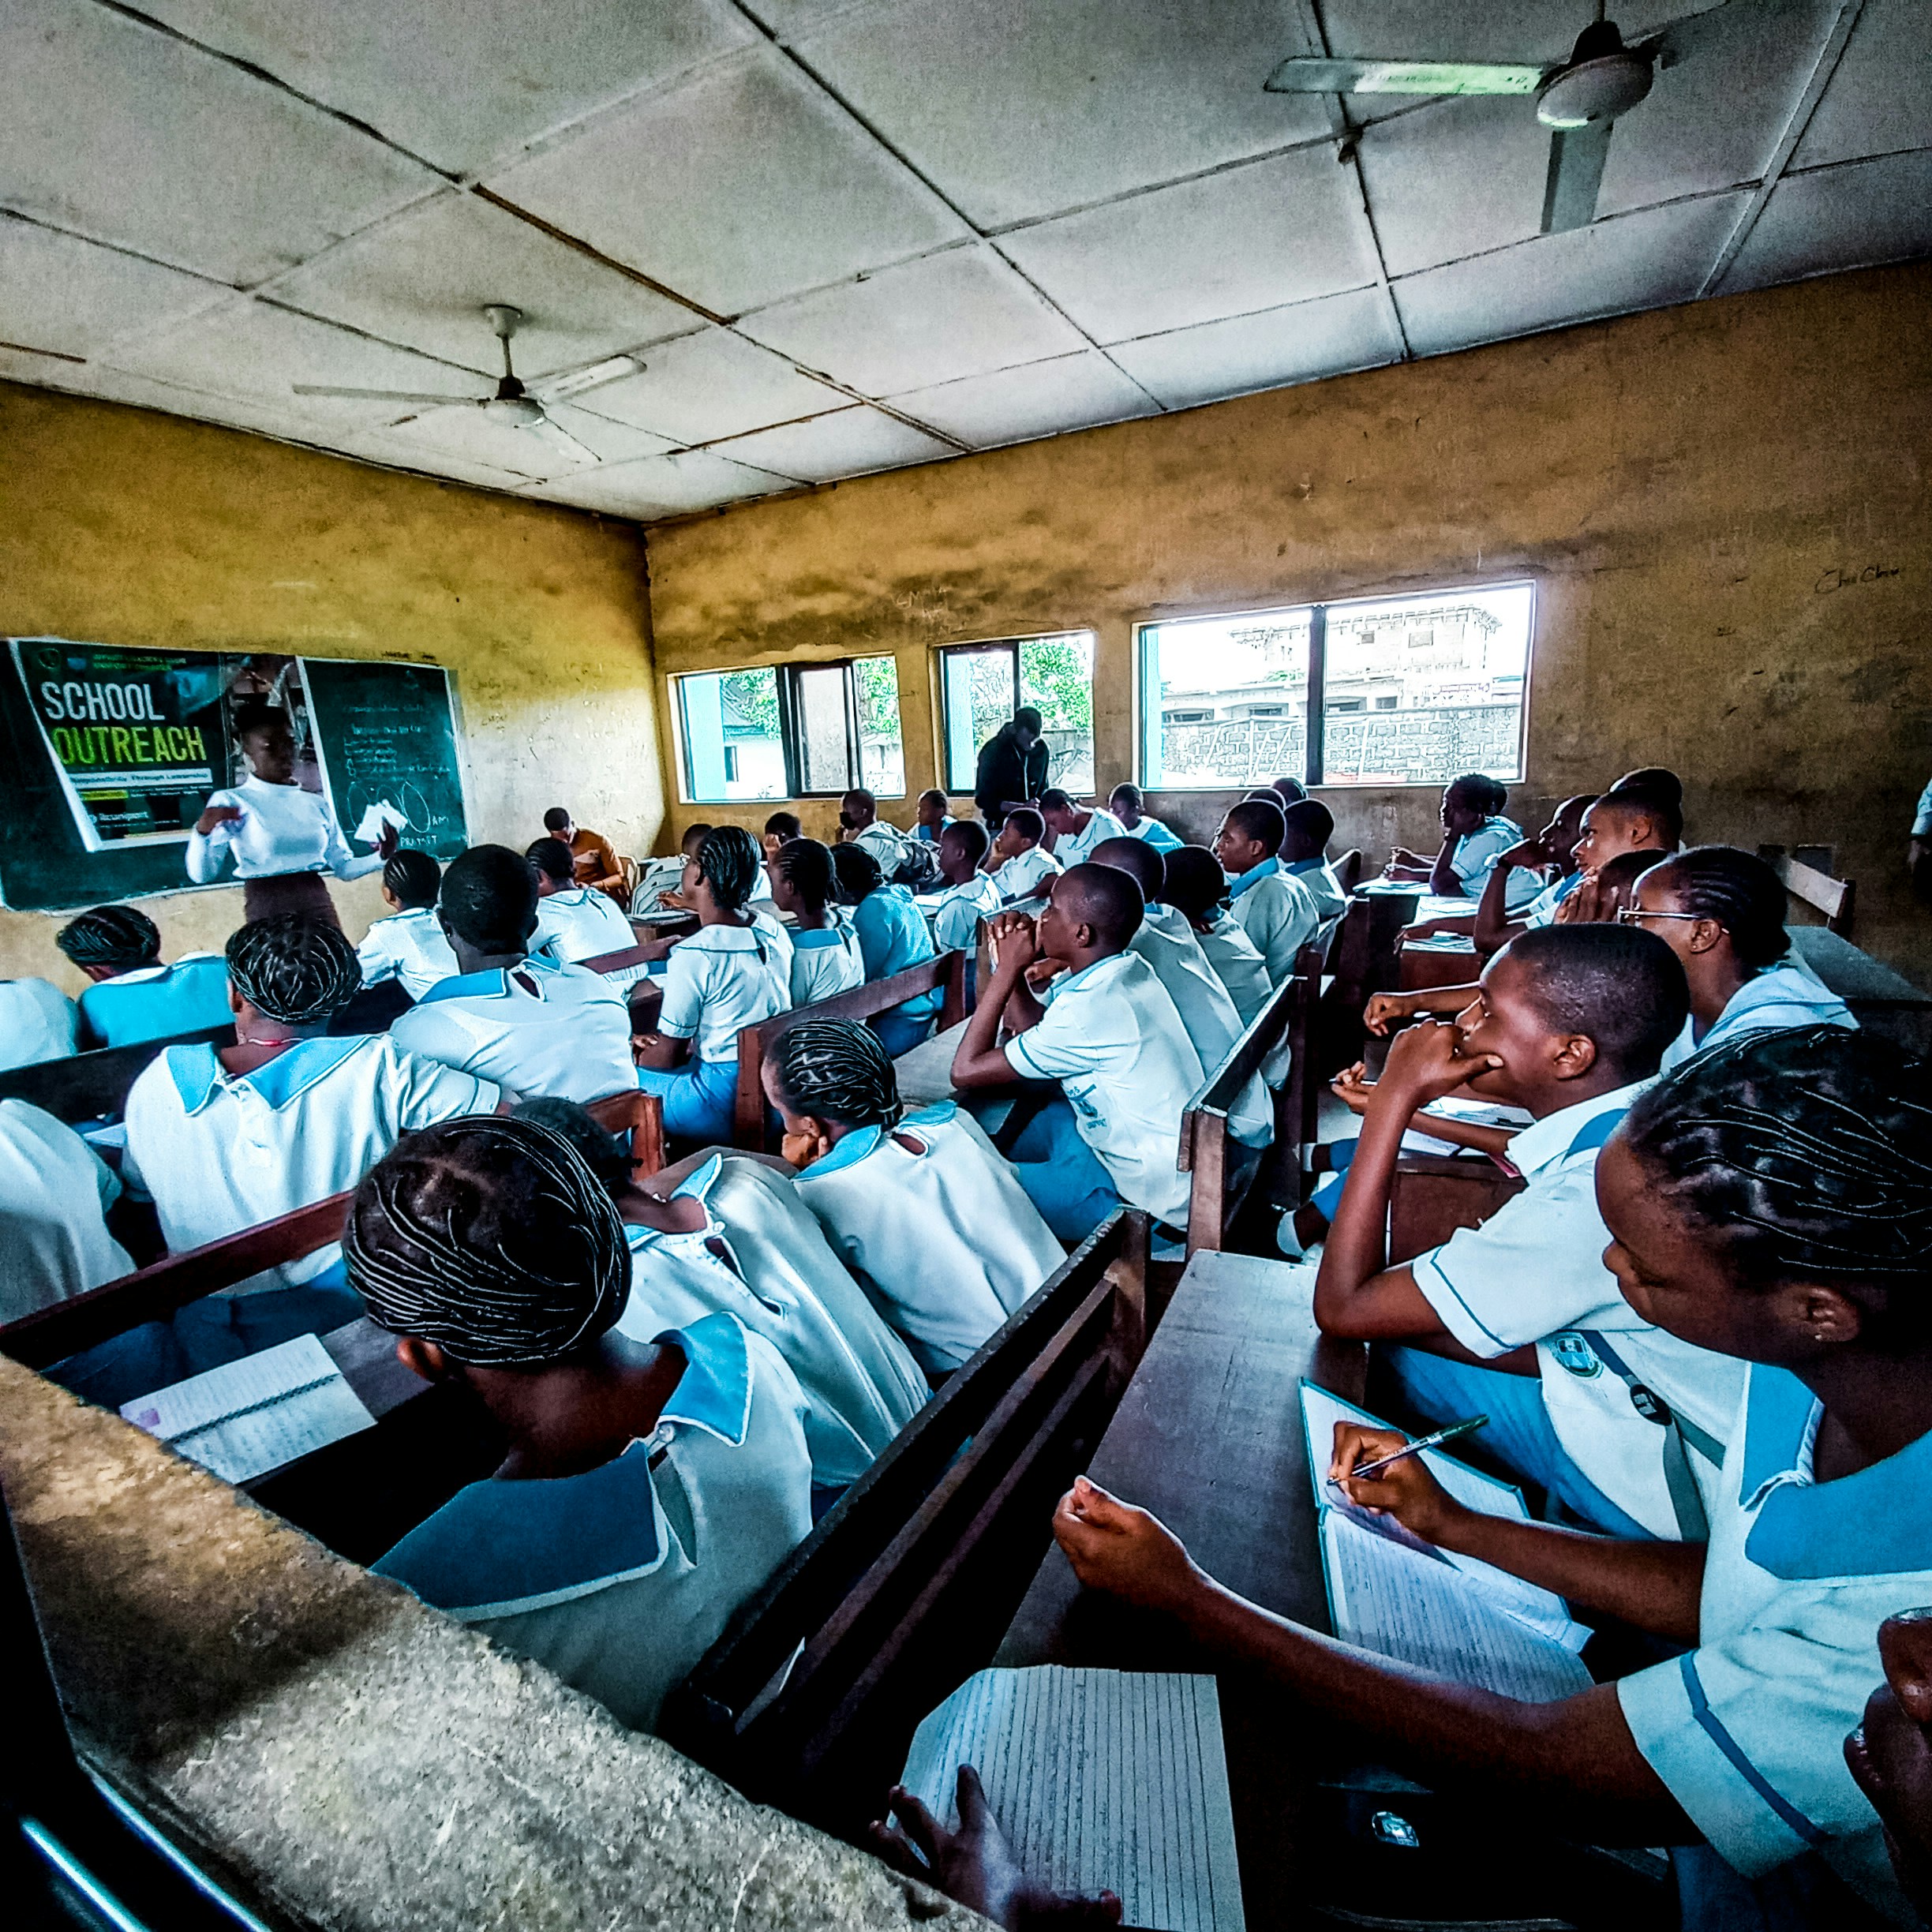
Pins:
x: 1013, y: 768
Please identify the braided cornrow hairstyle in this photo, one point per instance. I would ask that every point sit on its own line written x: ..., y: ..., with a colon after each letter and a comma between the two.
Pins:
x: 491, y: 1237
x: 296, y: 969
x: 806, y: 866
x: 413, y: 876
x: 728, y: 859
x: 1737, y: 889
x: 116, y: 937
x: 837, y: 1070
x: 1808, y: 1154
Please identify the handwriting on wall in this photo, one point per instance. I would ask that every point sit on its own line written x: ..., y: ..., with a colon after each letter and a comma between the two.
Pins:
x: 1843, y: 579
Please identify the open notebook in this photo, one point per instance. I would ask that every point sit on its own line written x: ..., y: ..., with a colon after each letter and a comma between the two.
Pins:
x: 1100, y: 1779
x: 1390, y: 1592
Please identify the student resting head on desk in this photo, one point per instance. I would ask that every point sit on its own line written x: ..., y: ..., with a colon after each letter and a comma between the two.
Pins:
x: 134, y: 997
x: 892, y: 935
x: 525, y: 1022
x: 920, y: 1206
x: 593, y: 858
x: 1518, y: 1318
x: 970, y: 894
x: 1275, y: 911
x: 1196, y: 887
x: 574, y: 921
x: 410, y: 945
x: 649, y: 1488
x: 1128, y: 804
x: 1020, y: 864
x: 826, y: 957
x: 1109, y: 1035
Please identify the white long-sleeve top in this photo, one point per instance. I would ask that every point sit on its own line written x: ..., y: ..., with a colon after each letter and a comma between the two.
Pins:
x: 282, y: 828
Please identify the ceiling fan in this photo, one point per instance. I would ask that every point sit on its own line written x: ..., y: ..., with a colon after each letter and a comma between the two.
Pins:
x: 1578, y: 98
x: 513, y: 405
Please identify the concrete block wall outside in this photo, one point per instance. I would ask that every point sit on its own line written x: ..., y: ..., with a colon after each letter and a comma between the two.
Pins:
x: 349, y: 1758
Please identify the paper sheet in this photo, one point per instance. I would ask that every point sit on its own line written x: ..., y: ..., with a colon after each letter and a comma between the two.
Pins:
x: 252, y: 1416
x: 1390, y: 1599
x: 381, y: 816
x: 1099, y: 1778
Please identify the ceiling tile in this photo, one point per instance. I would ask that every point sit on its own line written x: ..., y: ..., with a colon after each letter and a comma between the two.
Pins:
x: 1254, y: 238
x: 1635, y: 261
x: 422, y: 279
x: 960, y: 313
x: 120, y: 132
x: 1524, y: 32
x: 397, y: 452
x: 58, y: 292
x: 1016, y: 109
x: 703, y: 387
x: 251, y: 351
x: 849, y: 442
x: 661, y: 486
x: 1842, y: 217
x: 1880, y: 100
x: 113, y: 385
x: 741, y: 186
x: 473, y: 434
x: 458, y: 81
x: 1280, y: 345
x: 1038, y: 399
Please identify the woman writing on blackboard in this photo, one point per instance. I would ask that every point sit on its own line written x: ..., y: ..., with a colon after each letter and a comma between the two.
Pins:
x: 283, y: 836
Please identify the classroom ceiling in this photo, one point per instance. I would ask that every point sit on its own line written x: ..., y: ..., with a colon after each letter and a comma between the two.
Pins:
x: 840, y: 236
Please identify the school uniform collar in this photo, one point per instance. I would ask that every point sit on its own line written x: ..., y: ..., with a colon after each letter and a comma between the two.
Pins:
x: 1303, y: 865
x: 494, y: 984
x: 1878, y: 1522
x: 863, y: 1140
x: 1567, y: 884
x: 1168, y: 921
x: 138, y: 975
x: 1547, y: 1141
x: 816, y: 939
x: 732, y: 939
x: 197, y: 1070
x: 1268, y: 868
x: 1098, y: 974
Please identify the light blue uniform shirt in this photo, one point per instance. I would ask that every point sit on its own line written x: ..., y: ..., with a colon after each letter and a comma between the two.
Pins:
x: 1541, y: 910
x: 956, y: 912
x: 1778, y: 997
x: 1277, y: 913
x: 1921, y: 819
x: 157, y: 1002
x: 1319, y: 880
x: 1161, y: 838
x: 1747, y: 1730
x: 892, y: 935
x: 1475, y: 856
x: 620, y: 1580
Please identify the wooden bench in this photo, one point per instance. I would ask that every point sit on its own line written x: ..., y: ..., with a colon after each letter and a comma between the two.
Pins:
x: 84, y: 1086
x: 1832, y: 899
x: 1433, y: 1195
x: 903, y: 1590
x: 947, y: 972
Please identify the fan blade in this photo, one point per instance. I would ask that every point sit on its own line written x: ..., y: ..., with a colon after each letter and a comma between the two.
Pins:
x: 1576, y: 166
x: 380, y: 396
x: 563, y: 442
x: 615, y: 368
x: 1305, y: 74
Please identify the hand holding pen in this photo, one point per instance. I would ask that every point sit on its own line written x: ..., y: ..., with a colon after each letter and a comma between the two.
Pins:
x: 1380, y: 1469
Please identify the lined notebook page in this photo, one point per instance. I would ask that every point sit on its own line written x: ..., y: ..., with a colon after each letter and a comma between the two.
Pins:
x: 1100, y: 1779
x: 243, y: 1420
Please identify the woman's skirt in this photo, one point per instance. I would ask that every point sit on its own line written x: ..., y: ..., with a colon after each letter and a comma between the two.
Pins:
x: 287, y: 892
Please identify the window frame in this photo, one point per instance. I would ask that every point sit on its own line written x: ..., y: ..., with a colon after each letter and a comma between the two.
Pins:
x: 977, y: 646
x: 1148, y: 703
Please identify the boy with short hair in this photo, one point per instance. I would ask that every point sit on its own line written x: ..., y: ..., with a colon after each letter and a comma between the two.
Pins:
x: 574, y: 921
x: 860, y: 824
x: 780, y: 829
x: 933, y: 817
x: 1275, y: 910
x: 1077, y: 829
x: 1021, y: 864
x: 1309, y: 826
x: 1518, y: 1319
x: 592, y: 855
x: 1128, y: 804
x: 1622, y: 821
x: 971, y: 894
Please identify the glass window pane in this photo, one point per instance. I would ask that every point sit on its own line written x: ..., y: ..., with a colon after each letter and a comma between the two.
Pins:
x: 1418, y: 690
x: 979, y: 700
x: 1224, y: 701
x: 824, y: 758
x: 882, y: 751
x: 1056, y: 677
x: 729, y: 723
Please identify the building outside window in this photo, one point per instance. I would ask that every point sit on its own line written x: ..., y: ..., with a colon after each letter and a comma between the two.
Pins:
x: 1054, y: 673
x: 1401, y: 690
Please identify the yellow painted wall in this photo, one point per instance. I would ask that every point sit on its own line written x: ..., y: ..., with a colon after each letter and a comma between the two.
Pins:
x: 125, y: 526
x: 1725, y: 506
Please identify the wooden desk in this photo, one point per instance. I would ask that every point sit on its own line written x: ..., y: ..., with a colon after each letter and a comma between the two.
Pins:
x: 1208, y: 1436
x: 925, y: 1073
x: 1883, y: 1001
x: 1422, y: 967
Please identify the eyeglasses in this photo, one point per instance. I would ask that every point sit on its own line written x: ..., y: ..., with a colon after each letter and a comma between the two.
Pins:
x: 1629, y: 916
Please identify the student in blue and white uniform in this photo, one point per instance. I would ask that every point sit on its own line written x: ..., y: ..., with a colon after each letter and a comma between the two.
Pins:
x: 1768, y: 1201
x: 574, y: 921
x: 892, y: 935
x: 55, y: 1194
x: 134, y: 998
x: 661, y: 885
x: 1077, y: 829
x: 933, y: 819
x: 650, y: 1486
x: 826, y: 957
x: 38, y: 1022
x: 860, y: 824
x: 731, y: 974
x: 1722, y: 912
x: 1569, y: 1023
x: 1108, y: 1035
x: 1022, y: 866
x: 225, y: 1139
x: 920, y: 1206
x: 1275, y: 911
x: 523, y: 1022
x: 1552, y: 854
x: 1309, y: 825
x: 1197, y: 888
x: 1128, y: 806
x: 410, y: 946
x: 970, y: 895
x: 1475, y: 834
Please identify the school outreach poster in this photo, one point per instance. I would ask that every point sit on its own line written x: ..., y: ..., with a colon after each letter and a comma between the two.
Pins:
x: 139, y: 738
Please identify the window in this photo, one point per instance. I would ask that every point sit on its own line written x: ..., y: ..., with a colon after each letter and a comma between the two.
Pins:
x: 1226, y: 702
x: 977, y: 684
x: 792, y: 731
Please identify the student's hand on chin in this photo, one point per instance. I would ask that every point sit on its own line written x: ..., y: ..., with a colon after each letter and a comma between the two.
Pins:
x: 1384, y: 1009
x: 1404, y: 1490
x: 1128, y: 1552
x: 1425, y: 1064
x: 1525, y: 852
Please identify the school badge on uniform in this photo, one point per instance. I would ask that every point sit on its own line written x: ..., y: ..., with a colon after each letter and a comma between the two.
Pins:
x: 1575, y: 1354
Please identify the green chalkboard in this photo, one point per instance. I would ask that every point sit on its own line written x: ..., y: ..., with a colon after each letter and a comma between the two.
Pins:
x: 385, y: 732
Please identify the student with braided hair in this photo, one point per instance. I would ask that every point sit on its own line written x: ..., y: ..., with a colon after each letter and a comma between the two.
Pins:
x: 730, y: 973
x: 1722, y: 912
x: 226, y: 1138
x: 826, y: 957
x: 892, y: 935
x: 134, y: 997
x: 650, y: 1486
x: 928, y: 1216
x: 410, y: 945
x: 574, y: 921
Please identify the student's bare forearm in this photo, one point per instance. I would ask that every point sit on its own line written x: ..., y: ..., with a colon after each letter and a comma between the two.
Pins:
x: 1442, y: 880
x: 1465, y: 1134
x: 1555, y: 1758
x: 1491, y: 931
x: 1356, y: 1247
x: 977, y: 1062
